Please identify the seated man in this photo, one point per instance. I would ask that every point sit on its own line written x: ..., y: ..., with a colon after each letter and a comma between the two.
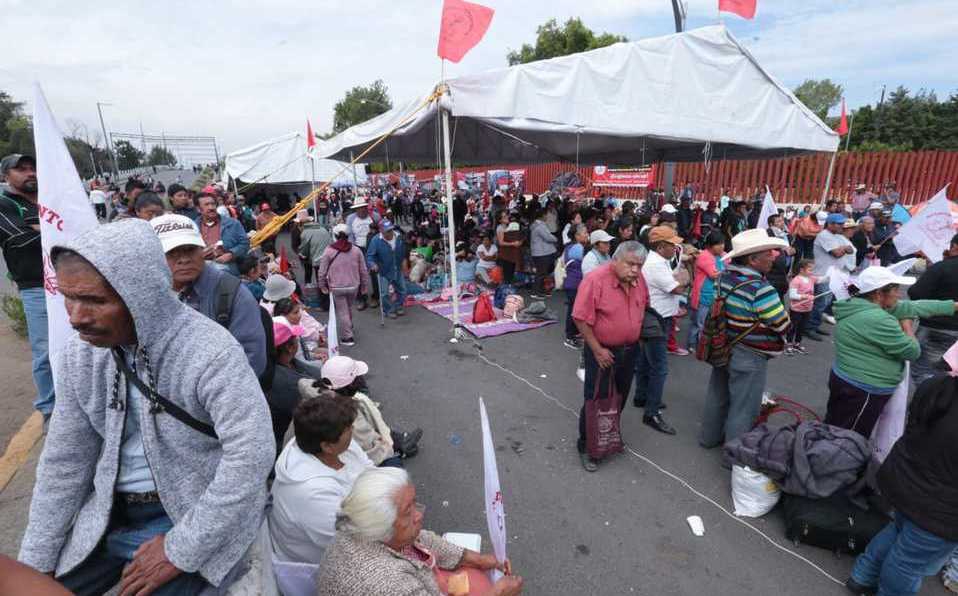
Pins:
x: 209, y: 290
x: 154, y: 469
x: 314, y: 473
x: 224, y: 237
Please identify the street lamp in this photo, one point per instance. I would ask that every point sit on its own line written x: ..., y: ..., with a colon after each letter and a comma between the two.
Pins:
x: 106, y: 139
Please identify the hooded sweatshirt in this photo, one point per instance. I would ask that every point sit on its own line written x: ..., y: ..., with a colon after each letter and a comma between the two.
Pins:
x: 342, y: 268
x: 212, y: 489
x: 306, y: 496
x: 870, y: 347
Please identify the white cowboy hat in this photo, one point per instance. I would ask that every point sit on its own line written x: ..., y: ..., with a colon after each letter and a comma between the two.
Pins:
x: 751, y: 241
x: 361, y: 202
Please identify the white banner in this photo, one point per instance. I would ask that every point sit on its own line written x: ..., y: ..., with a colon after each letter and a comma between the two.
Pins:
x: 891, y: 423
x: 768, y: 209
x: 930, y: 231
x: 65, y: 211
x: 332, y: 331
x: 495, y: 514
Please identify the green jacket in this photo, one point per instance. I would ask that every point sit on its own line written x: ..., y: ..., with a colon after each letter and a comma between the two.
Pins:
x: 870, y: 346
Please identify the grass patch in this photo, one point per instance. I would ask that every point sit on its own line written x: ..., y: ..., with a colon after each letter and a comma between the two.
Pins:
x: 13, y: 308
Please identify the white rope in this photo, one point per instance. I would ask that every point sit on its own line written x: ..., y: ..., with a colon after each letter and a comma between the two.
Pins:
x: 675, y: 477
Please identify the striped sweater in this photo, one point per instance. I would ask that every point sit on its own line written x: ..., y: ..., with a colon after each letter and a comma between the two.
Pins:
x: 756, y: 301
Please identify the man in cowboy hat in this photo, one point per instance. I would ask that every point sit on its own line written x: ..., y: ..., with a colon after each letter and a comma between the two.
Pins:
x: 359, y: 224
x: 861, y: 199
x: 756, y: 322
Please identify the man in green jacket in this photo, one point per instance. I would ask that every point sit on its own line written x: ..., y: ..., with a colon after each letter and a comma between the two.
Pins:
x: 873, y: 339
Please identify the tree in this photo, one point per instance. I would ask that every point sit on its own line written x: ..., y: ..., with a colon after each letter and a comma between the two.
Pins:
x: 553, y: 41
x: 128, y: 156
x: 819, y: 96
x: 361, y: 104
x: 160, y: 156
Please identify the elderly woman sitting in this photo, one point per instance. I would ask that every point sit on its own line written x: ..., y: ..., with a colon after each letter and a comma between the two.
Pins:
x: 381, y: 548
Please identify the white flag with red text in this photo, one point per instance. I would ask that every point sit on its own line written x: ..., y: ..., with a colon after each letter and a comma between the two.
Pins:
x: 930, y: 231
x: 332, y: 330
x: 65, y: 211
x: 495, y: 513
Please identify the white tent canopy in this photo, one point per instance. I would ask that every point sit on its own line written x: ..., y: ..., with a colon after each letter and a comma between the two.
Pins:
x: 283, y: 160
x: 665, y: 98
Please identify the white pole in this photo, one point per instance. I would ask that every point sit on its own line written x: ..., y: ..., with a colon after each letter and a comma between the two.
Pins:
x: 312, y: 174
x: 848, y: 135
x: 828, y: 181
x: 450, y: 223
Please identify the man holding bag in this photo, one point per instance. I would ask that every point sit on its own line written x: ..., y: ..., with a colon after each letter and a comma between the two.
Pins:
x: 609, y: 309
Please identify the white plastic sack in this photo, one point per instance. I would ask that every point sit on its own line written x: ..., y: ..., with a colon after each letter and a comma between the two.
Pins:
x: 891, y: 423
x: 754, y: 494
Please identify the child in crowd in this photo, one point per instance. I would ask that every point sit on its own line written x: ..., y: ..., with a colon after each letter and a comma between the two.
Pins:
x: 251, y: 274
x: 801, y: 295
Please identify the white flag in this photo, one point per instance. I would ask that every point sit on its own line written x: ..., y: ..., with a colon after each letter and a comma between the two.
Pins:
x: 495, y: 514
x: 891, y: 423
x: 332, y: 331
x: 838, y: 280
x: 768, y: 209
x: 65, y: 211
x: 930, y: 231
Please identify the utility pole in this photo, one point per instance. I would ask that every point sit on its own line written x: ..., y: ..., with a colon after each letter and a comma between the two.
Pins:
x: 106, y: 139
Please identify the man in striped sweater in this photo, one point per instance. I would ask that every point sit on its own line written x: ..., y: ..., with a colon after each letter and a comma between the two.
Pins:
x: 756, y: 322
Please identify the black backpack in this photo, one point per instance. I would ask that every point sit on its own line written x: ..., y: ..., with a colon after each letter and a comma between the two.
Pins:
x: 833, y: 523
x: 226, y: 290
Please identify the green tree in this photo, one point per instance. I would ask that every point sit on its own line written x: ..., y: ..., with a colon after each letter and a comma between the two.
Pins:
x: 553, y: 40
x: 361, y: 104
x: 160, y: 156
x: 128, y: 156
x: 819, y: 96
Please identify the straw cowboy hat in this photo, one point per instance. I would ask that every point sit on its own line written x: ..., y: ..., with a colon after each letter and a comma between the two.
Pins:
x: 360, y: 202
x: 752, y: 241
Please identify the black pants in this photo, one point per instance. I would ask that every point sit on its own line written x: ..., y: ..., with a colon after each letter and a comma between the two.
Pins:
x: 853, y: 408
x: 543, y: 266
x: 508, y: 271
x: 571, y: 330
x: 797, y: 331
x: 623, y: 370
x: 100, y: 210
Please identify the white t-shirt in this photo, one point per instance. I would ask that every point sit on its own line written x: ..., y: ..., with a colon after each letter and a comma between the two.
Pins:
x: 660, y: 280
x: 482, y: 251
x: 97, y: 197
x: 361, y: 230
x: 825, y: 242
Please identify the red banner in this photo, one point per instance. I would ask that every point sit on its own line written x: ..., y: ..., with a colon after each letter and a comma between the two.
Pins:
x: 636, y: 178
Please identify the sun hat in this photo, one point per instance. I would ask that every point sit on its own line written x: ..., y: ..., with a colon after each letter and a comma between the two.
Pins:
x: 360, y: 202
x: 875, y: 277
x: 278, y: 287
x: 340, y: 229
x: 835, y: 218
x: 876, y: 206
x: 850, y: 223
x: 600, y: 236
x: 668, y: 208
x: 752, y: 241
x: 283, y: 331
x: 664, y: 234
x: 176, y: 230
x: 860, y: 187
x: 340, y: 371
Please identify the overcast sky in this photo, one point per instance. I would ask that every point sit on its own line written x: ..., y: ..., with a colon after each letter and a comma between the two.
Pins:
x: 245, y: 71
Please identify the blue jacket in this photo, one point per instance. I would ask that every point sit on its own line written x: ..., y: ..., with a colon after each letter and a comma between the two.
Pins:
x: 388, y: 260
x: 573, y: 266
x: 233, y: 236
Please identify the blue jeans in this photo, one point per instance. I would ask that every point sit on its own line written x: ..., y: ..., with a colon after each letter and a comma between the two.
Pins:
x: 651, y: 370
x: 697, y: 318
x: 35, y: 307
x: 934, y: 343
x: 818, y: 309
x: 130, y: 526
x: 385, y: 296
x: 734, y: 397
x: 899, y: 557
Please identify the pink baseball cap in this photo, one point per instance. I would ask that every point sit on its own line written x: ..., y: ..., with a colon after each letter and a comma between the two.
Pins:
x: 341, y: 370
x: 283, y: 331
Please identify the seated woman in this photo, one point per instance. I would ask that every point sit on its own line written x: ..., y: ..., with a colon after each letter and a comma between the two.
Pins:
x: 384, y: 447
x: 314, y: 473
x: 381, y: 549
x: 278, y: 287
x: 292, y: 312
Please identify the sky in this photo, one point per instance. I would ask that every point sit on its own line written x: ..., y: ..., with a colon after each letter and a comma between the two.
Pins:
x: 246, y: 71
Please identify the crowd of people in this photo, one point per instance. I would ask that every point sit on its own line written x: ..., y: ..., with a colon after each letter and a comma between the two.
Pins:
x: 171, y: 413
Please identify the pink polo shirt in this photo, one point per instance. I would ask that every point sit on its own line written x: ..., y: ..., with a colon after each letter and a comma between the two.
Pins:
x: 614, y: 311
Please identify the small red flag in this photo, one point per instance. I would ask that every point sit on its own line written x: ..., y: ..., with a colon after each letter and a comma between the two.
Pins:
x: 743, y: 8
x: 463, y: 25
x: 283, y: 261
x: 842, y: 129
x: 310, y: 138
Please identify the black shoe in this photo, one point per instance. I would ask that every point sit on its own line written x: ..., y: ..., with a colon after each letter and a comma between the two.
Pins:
x: 641, y: 404
x: 659, y: 424
x: 814, y: 336
x: 588, y: 463
x: 361, y: 306
x: 409, y: 442
x: 856, y: 588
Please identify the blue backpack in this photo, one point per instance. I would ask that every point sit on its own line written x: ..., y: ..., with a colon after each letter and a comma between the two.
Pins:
x: 499, y: 301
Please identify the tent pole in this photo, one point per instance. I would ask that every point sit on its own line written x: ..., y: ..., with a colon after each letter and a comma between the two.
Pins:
x: 450, y: 223
x: 828, y: 180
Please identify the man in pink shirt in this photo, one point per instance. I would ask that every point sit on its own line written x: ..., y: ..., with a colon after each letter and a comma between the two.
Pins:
x: 609, y: 309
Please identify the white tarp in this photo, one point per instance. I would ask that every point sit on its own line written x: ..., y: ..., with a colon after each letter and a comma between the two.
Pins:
x: 656, y: 99
x: 283, y: 160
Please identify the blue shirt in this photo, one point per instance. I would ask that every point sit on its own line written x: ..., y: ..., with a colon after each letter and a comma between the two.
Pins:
x: 707, y: 293
x: 134, y: 475
x: 466, y: 271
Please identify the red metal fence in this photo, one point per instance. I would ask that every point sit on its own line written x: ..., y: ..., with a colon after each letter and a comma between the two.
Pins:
x: 918, y: 174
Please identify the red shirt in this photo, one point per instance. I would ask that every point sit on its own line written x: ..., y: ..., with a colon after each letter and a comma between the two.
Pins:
x: 614, y: 312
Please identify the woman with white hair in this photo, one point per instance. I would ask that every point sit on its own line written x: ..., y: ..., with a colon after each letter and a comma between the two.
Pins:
x: 381, y: 549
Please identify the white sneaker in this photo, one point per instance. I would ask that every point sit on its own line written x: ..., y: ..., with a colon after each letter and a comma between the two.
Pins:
x: 828, y: 319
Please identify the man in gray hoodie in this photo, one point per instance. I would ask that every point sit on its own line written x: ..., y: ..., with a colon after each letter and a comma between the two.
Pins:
x: 154, y: 469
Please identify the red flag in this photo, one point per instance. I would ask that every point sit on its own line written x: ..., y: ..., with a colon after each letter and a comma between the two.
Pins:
x: 842, y: 129
x: 310, y: 139
x: 743, y: 8
x: 463, y: 25
x: 283, y: 261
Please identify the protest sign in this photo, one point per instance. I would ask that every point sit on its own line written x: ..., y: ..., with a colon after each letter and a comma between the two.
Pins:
x: 930, y: 231
x: 635, y: 178
x: 495, y: 513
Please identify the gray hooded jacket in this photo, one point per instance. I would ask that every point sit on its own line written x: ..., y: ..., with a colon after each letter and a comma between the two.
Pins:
x: 214, y: 490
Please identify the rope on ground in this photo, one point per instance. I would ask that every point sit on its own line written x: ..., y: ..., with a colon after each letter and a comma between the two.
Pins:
x: 666, y: 472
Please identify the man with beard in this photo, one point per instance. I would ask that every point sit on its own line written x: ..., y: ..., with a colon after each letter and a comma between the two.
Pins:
x: 20, y: 238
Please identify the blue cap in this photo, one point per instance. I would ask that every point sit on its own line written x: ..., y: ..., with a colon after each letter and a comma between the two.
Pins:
x: 387, y: 225
x: 835, y: 218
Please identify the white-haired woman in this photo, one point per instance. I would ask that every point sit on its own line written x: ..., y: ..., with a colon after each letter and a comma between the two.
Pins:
x: 381, y: 548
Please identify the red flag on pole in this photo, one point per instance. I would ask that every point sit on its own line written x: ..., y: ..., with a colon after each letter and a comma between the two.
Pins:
x: 310, y: 138
x: 463, y: 25
x: 743, y: 8
x: 283, y: 261
x: 842, y: 129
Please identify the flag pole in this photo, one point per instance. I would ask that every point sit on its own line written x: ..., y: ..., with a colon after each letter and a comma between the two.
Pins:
x: 828, y: 180
x: 312, y: 174
x: 848, y: 137
x: 450, y: 222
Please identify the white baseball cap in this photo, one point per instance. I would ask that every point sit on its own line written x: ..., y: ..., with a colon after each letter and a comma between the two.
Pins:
x: 340, y: 229
x: 875, y: 278
x: 340, y: 371
x: 600, y: 236
x: 669, y: 208
x: 176, y: 230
